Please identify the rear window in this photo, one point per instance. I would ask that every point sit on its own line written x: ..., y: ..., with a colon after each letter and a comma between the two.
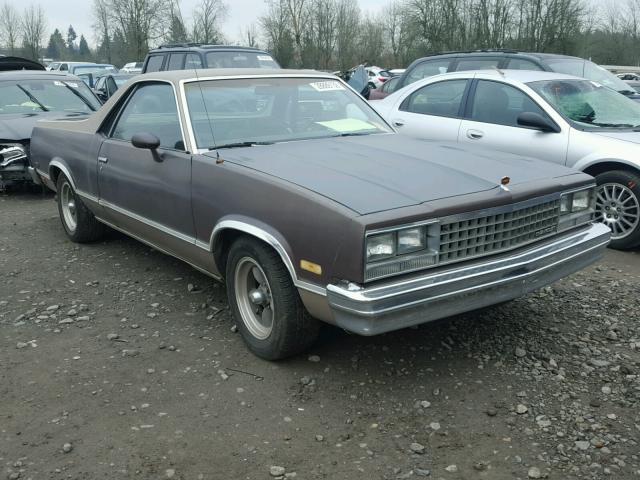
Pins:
x: 240, y: 60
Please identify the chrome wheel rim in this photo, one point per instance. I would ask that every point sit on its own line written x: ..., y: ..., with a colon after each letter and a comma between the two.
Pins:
x: 253, y: 296
x: 618, y: 208
x: 68, y: 203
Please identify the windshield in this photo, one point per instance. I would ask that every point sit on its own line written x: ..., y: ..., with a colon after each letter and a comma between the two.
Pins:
x: 240, y: 60
x: 269, y: 110
x: 589, y: 70
x: 589, y: 104
x: 28, y: 96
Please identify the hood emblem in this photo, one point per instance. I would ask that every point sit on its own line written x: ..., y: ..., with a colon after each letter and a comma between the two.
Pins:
x: 504, y: 181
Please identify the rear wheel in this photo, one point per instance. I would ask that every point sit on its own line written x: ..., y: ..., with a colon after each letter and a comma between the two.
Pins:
x: 78, y: 221
x: 265, y: 303
x: 618, y: 207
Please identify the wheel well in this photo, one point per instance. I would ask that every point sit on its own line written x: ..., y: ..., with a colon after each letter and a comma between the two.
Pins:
x: 602, y: 167
x: 223, y: 243
x: 55, y: 173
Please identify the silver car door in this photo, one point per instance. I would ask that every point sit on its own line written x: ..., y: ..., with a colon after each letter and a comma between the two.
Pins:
x: 431, y: 112
x: 492, y: 122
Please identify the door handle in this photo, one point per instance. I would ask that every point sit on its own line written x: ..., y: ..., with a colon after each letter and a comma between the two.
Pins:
x: 398, y: 123
x: 103, y: 159
x: 475, y: 134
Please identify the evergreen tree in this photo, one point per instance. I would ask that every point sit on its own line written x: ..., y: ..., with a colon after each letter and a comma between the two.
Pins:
x: 56, y: 48
x: 83, y: 50
x: 71, y: 38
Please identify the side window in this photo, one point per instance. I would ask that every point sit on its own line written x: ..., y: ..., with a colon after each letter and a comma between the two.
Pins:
x: 522, y: 64
x: 154, y: 64
x: 111, y: 86
x: 100, y: 84
x: 151, y: 108
x: 176, y: 61
x: 498, y: 103
x: 64, y: 67
x: 193, y: 61
x: 442, y: 99
x: 428, y: 69
x: 478, y: 63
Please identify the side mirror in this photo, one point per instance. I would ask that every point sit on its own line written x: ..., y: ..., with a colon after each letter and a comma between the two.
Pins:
x: 102, y: 95
x: 145, y: 140
x: 537, y: 122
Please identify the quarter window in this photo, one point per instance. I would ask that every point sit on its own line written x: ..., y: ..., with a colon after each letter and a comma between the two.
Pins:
x: 477, y: 64
x: 193, y: 61
x: 428, y: 69
x: 522, y: 64
x: 154, y: 64
x: 498, y: 103
x: 442, y: 99
x: 151, y: 108
x: 176, y: 61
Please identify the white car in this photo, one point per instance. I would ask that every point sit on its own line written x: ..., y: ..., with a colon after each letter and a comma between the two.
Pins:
x: 132, y: 67
x: 377, y: 76
x: 560, y: 118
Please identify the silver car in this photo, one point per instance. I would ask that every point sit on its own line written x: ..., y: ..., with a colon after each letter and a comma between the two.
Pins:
x: 555, y: 117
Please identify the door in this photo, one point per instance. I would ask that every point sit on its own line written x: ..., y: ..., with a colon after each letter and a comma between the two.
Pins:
x: 491, y: 121
x: 148, y: 192
x: 432, y: 112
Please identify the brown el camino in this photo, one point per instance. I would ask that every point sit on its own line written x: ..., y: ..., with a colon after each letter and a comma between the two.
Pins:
x: 291, y: 189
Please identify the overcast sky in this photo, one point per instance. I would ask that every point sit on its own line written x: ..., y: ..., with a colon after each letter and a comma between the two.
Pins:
x: 62, y: 13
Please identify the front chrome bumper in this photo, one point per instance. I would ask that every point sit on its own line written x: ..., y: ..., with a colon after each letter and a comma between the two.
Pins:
x: 392, y: 305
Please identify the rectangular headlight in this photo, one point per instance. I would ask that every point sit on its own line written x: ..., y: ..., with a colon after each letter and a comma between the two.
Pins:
x: 581, y: 201
x: 381, y: 246
x: 412, y: 240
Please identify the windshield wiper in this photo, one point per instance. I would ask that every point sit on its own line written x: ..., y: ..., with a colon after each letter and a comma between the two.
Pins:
x: 239, y: 144
x: 32, y: 98
x: 612, y: 125
x: 80, y: 96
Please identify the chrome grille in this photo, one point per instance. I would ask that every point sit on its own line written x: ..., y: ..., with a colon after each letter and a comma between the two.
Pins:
x: 460, y: 240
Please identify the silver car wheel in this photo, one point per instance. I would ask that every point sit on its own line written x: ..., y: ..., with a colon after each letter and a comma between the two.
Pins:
x: 618, y: 208
x: 253, y: 296
x: 68, y: 204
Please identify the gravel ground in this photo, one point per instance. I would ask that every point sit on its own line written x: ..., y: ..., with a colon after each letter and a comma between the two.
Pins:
x: 119, y: 362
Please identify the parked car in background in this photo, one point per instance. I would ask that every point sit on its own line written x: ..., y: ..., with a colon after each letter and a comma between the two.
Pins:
x: 559, y: 118
x: 107, y: 85
x: 133, y: 67
x: 385, y: 90
x: 89, y: 72
x: 188, y: 56
x: 377, y: 76
x: 396, y: 72
x: 64, y: 66
x: 628, y: 76
x: 27, y: 96
x: 513, y: 60
x: 289, y: 187
x: 18, y: 63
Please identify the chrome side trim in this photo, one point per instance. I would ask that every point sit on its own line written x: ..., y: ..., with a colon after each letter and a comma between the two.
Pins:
x: 270, y: 240
x: 146, y: 221
x: 43, y: 174
x: 154, y: 246
x: 34, y: 175
x: 88, y: 196
x: 63, y: 169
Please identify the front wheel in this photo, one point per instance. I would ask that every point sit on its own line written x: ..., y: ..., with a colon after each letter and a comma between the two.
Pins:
x: 265, y: 303
x: 618, y: 207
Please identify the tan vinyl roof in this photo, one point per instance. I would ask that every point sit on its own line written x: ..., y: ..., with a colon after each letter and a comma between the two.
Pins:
x: 177, y: 75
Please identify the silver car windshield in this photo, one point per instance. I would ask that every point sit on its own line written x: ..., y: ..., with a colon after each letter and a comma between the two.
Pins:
x: 269, y: 110
x: 589, y: 104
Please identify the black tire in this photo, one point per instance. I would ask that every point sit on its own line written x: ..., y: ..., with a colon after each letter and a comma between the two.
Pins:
x: 631, y: 183
x: 292, y: 329
x: 86, y: 228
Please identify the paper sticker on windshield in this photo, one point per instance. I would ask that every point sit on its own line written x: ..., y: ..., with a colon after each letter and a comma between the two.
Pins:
x: 265, y: 58
x: 60, y: 84
x: 328, y: 85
